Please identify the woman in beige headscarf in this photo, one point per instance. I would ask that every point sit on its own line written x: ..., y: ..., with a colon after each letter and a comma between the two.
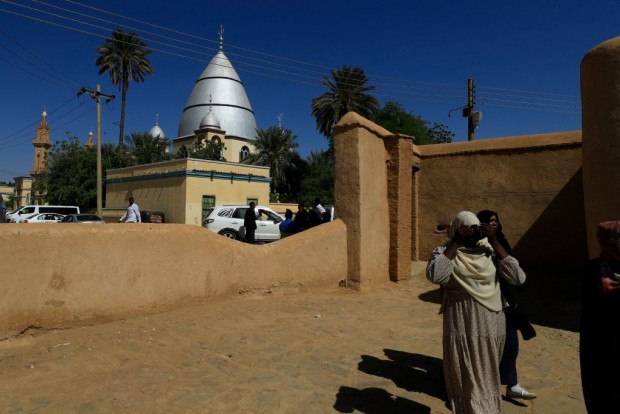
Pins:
x: 467, y: 267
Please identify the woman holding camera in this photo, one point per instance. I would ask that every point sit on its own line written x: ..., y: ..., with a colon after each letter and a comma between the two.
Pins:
x: 467, y: 267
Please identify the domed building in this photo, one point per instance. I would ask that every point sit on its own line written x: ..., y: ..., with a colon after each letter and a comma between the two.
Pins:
x: 218, y: 110
x: 186, y: 189
x: 156, y: 131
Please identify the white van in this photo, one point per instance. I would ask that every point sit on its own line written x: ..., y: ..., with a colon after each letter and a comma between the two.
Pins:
x: 27, y: 211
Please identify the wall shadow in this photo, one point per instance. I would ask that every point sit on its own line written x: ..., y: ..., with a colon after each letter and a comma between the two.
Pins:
x: 409, y: 371
x: 551, y: 295
x: 375, y: 401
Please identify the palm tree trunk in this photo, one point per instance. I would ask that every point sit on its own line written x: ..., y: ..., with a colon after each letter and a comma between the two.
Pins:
x: 123, y: 100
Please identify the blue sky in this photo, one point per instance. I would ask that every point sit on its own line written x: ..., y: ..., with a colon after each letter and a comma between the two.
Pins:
x: 523, y: 56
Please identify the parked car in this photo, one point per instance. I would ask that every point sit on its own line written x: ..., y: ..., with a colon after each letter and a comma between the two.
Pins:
x: 30, y: 210
x: 227, y: 220
x: 42, y: 218
x: 82, y: 218
x: 148, y: 216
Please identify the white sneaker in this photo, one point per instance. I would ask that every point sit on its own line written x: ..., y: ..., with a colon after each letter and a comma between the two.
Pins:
x: 517, y: 391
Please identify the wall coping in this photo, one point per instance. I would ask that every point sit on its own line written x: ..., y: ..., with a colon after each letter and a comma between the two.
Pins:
x: 554, y: 140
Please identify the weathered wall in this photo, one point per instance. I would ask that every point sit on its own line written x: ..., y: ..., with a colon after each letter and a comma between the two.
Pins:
x: 600, y: 102
x: 360, y: 198
x: 533, y: 182
x: 63, y: 274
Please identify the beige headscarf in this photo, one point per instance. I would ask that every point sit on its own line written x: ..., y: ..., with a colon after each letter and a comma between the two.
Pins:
x: 474, y: 268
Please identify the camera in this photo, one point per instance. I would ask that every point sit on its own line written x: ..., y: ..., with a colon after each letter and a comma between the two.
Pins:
x: 476, y: 233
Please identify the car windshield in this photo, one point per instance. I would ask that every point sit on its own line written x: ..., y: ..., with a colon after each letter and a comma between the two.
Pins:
x: 268, y: 215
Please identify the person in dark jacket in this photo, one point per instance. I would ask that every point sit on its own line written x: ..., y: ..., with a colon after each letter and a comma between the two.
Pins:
x: 599, y: 339
x: 516, y: 320
x: 249, y: 222
x: 301, y: 217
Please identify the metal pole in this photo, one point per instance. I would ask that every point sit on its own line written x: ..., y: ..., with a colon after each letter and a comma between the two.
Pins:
x: 470, y: 109
x: 99, y: 172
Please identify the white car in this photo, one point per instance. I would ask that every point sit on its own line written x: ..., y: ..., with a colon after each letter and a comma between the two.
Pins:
x: 228, y: 219
x: 42, y: 218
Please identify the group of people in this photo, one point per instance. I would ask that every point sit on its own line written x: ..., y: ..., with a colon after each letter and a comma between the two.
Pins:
x: 302, y: 220
x: 482, y: 316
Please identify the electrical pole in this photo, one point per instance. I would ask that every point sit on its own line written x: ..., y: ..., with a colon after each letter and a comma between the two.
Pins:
x: 470, y: 110
x: 96, y: 95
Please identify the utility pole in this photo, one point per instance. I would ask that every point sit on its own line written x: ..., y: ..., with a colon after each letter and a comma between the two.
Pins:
x: 470, y: 110
x: 96, y: 95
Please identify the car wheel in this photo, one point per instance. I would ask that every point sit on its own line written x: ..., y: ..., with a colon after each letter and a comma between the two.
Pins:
x: 231, y: 234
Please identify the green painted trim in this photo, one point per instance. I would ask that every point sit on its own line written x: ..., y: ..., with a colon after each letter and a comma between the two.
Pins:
x: 212, y: 175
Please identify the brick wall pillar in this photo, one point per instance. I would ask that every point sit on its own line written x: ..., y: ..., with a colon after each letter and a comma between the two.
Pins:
x: 400, y: 202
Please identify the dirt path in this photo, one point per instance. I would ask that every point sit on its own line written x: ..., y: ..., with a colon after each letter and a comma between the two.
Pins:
x: 269, y: 352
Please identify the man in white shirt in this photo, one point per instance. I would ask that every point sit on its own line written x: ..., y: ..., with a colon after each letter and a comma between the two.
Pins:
x: 132, y: 215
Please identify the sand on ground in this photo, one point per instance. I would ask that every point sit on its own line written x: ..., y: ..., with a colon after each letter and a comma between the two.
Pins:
x: 280, y: 350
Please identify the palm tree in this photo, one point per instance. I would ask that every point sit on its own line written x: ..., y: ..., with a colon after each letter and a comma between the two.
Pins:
x: 275, y: 148
x: 125, y: 58
x: 146, y: 148
x: 347, y: 91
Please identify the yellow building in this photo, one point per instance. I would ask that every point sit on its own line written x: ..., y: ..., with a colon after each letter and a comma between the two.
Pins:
x: 185, y: 189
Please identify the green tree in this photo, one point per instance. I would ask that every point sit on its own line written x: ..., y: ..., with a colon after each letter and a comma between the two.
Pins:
x: 203, y: 151
x: 318, y: 180
x: 125, y: 57
x: 147, y: 149
x: 393, y: 117
x: 275, y: 148
x: 347, y: 91
x: 71, y: 172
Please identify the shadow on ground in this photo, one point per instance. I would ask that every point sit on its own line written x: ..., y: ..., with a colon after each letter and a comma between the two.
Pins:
x: 549, y: 297
x: 411, y: 372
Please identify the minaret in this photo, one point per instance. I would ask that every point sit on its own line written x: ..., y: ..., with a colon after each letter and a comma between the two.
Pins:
x: 42, y: 144
x: 90, y: 142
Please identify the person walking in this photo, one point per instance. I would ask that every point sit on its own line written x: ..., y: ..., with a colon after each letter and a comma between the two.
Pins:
x: 132, y: 215
x: 516, y: 319
x: 249, y: 222
x: 474, y: 326
x: 599, y: 337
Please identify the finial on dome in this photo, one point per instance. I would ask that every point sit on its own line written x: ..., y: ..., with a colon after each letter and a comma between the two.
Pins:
x: 221, y: 33
x: 156, y: 118
x: 280, y: 118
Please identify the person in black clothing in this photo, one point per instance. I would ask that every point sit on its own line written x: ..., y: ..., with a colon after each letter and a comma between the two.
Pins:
x: 301, y: 217
x: 599, y: 339
x: 2, y: 210
x: 249, y: 222
x: 515, y: 320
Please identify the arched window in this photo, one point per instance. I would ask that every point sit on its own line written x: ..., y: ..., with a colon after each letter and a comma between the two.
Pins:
x: 216, y: 140
x: 244, y: 153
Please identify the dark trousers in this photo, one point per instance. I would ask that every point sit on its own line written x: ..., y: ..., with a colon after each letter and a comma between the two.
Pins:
x: 508, y: 363
x: 249, y: 235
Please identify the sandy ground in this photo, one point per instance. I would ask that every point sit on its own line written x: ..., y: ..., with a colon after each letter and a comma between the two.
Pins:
x: 276, y: 351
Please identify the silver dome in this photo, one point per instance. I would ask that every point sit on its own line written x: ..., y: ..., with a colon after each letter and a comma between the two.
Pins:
x: 210, y: 120
x: 157, y: 132
x: 219, y: 89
